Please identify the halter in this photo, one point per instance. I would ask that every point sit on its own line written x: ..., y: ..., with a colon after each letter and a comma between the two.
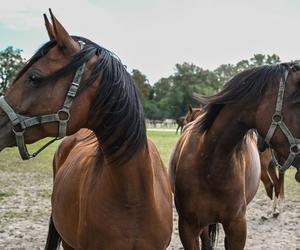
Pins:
x: 277, y: 121
x: 62, y: 116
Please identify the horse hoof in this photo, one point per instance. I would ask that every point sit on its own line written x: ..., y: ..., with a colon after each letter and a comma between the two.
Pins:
x: 297, y: 175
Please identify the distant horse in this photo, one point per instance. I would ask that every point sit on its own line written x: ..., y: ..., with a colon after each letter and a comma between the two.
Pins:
x: 192, y: 114
x: 273, y: 182
x: 180, y: 124
x: 111, y: 190
x: 215, y: 168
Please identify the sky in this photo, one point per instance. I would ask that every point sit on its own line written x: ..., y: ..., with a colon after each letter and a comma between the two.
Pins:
x: 154, y: 35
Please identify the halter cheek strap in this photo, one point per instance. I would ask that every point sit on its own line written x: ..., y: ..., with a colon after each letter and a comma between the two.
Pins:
x: 20, y: 122
x: 277, y: 121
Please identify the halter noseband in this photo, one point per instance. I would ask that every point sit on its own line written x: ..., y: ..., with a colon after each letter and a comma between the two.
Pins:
x: 62, y: 116
x: 277, y: 121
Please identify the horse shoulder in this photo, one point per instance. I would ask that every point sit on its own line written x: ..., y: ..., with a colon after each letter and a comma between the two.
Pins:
x: 253, y: 168
x: 80, y: 139
x: 157, y: 163
x: 183, y: 155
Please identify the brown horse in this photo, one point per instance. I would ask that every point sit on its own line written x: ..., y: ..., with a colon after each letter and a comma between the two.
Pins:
x: 272, y: 179
x: 180, y: 124
x: 192, y: 114
x: 215, y: 167
x: 111, y: 190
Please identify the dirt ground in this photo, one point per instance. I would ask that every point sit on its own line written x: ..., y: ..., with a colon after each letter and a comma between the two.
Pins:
x: 25, y: 209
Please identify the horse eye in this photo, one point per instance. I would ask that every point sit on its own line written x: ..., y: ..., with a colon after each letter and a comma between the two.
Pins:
x: 34, y: 78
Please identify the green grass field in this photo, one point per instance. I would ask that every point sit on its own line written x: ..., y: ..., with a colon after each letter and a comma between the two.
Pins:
x: 11, y: 161
x: 42, y: 164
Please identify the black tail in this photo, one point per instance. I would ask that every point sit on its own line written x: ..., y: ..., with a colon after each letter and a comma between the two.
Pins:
x: 213, y: 230
x: 53, y: 239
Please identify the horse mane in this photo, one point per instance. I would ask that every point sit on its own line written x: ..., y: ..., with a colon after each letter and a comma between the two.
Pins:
x: 116, y: 112
x: 243, y: 88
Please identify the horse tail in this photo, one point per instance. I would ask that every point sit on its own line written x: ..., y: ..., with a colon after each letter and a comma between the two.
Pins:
x: 213, y: 231
x: 53, y: 239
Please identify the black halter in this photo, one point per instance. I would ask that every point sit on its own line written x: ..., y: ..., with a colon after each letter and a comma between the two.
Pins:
x: 62, y: 116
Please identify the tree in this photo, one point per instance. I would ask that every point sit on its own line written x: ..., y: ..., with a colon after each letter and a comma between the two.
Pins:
x: 142, y: 84
x: 175, y: 93
x: 11, y: 62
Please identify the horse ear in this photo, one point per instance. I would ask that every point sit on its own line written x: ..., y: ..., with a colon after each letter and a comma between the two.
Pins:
x: 49, y: 28
x: 190, y: 108
x: 62, y: 37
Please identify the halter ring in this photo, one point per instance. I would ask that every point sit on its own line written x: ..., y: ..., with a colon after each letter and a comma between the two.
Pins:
x: 277, y: 118
x: 294, y: 149
x: 63, y: 112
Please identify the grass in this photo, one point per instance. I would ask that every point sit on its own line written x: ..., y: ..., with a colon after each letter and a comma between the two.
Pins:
x: 41, y: 167
x: 5, y: 194
x: 165, y: 141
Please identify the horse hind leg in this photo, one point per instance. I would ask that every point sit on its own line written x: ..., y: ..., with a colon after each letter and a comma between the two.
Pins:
x: 208, y: 237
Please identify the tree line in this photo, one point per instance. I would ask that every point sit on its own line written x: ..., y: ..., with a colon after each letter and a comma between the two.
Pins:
x: 167, y: 98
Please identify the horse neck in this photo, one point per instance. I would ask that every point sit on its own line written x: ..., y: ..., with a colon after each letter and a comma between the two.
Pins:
x: 221, y: 139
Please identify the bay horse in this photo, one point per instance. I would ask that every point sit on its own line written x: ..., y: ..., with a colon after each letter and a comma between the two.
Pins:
x: 214, y: 169
x: 272, y: 179
x: 180, y: 124
x: 111, y: 190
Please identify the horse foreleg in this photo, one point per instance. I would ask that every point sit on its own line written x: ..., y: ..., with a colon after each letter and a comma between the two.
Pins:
x: 281, y: 186
x: 266, y: 179
x: 275, y: 179
x: 279, y: 196
x: 278, y: 186
x: 189, y: 238
x: 235, y: 233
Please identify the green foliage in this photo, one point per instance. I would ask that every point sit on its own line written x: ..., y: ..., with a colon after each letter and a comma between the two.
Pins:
x: 11, y: 62
x: 169, y: 97
x: 142, y: 84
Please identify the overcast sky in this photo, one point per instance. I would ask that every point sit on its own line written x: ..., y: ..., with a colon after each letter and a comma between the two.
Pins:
x: 154, y: 35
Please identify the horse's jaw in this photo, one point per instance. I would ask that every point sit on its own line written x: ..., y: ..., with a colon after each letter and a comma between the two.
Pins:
x: 6, y: 135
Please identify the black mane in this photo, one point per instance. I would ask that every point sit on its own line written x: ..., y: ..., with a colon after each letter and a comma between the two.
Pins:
x: 245, y: 87
x: 116, y: 114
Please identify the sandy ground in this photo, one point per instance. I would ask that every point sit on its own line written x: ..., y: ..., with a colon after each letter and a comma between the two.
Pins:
x: 25, y: 209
